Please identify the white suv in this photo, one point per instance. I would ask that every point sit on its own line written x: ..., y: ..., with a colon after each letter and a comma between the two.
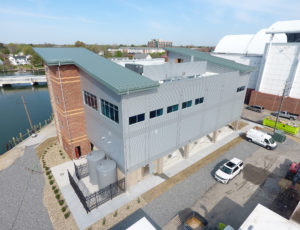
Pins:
x: 229, y: 170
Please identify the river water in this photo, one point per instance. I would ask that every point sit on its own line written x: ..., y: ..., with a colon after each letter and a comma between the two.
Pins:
x: 13, y: 118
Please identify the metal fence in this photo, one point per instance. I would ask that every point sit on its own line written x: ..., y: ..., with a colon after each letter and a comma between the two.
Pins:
x: 81, y: 171
x: 100, y: 197
x: 103, y: 195
x: 78, y: 192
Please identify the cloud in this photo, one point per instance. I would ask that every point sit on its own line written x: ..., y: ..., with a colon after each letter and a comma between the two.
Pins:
x: 45, y: 16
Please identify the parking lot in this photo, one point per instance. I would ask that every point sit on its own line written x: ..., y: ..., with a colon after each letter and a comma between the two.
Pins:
x: 257, y: 183
x: 258, y: 117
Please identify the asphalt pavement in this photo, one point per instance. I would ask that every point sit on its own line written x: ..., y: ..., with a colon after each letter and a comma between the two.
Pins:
x: 22, y: 189
x: 186, y: 193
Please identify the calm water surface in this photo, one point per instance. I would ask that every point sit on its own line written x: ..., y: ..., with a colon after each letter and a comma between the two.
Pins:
x: 13, y: 117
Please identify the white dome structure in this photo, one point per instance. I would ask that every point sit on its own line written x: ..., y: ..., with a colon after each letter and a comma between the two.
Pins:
x: 253, y: 44
x: 292, y: 26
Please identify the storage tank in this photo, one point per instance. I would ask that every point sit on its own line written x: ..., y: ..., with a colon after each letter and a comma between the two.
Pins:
x: 93, y: 158
x: 106, y: 173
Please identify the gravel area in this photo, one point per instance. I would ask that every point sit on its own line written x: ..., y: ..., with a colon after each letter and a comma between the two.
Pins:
x: 186, y: 193
x: 21, y: 199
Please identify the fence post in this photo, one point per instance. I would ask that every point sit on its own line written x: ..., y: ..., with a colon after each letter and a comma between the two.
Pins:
x: 45, y: 122
x: 40, y: 125
x: 14, y: 140
x: 21, y: 136
x: 11, y: 146
x: 28, y: 132
x: 111, y: 195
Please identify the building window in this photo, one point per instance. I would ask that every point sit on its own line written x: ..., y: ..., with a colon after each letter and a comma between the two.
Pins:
x: 186, y: 104
x: 172, y: 108
x: 199, y: 100
x: 156, y: 113
x: 90, y: 100
x: 136, y: 118
x: 239, y: 89
x: 109, y: 110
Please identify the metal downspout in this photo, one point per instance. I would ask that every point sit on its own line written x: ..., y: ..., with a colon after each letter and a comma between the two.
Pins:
x: 63, y: 97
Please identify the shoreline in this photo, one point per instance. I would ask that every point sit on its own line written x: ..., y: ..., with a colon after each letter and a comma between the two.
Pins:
x: 9, y: 157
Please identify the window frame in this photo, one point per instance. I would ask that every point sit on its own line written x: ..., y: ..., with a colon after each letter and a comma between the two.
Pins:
x: 137, y: 118
x: 109, y: 110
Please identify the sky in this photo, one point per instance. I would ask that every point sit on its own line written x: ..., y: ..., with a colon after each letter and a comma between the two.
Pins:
x: 185, y: 22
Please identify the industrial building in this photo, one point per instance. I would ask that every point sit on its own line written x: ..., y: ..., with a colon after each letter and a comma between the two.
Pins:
x: 275, y: 53
x: 138, y: 117
x: 157, y: 43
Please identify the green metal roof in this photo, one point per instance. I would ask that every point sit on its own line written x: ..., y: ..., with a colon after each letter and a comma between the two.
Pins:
x: 117, y: 78
x: 213, y: 59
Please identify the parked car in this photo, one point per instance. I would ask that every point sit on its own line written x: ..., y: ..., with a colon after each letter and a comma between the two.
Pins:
x: 229, y: 170
x: 285, y: 114
x: 256, y: 108
x: 261, y: 138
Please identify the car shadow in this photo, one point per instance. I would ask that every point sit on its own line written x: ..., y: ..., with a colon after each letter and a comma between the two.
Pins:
x: 217, y: 166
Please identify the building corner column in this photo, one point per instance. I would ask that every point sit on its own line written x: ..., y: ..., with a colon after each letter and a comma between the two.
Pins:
x: 215, y: 136
x: 186, y: 151
x: 236, y: 125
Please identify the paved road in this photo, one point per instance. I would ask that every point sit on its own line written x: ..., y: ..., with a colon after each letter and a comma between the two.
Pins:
x: 186, y: 193
x: 21, y: 199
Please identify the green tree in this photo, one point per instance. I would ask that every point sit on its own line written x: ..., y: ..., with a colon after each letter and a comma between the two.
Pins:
x: 118, y: 54
x: 36, y: 60
x: 27, y: 50
x: 79, y: 44
x: 94, y: 48
x: 12, y: 48
x: 107, y: 54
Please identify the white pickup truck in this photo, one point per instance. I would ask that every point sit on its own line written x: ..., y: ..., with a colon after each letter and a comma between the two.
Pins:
x: 286, y: 114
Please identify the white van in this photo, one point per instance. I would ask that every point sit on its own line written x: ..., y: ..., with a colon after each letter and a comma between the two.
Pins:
x: 261, y: 138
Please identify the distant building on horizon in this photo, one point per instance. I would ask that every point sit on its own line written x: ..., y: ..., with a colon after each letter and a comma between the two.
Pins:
x: 157, y: 43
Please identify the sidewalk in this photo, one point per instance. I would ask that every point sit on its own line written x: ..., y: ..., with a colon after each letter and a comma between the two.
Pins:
x: 10, y: 156
x: 84, y: 219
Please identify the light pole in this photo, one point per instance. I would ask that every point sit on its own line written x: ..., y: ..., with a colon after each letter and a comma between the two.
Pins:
x: 281, y: 101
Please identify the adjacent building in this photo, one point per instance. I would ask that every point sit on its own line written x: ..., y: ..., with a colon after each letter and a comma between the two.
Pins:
x: 275, y: 54
x: 19, y: 59
x: 138, y: 117
x: 157, y: 43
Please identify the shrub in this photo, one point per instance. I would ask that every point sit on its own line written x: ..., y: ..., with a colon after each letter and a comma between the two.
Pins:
x: 57, y: 196
x: 53, y: 187
x: 56, y: 191
x: 49, y: 177
x: 47, y: 168
x: 115, y: 213
x: 67, y: 215
x: 63, y: 157
x: 61, y: 202
x: 63, y: 209
x: 51, y: 182
x: 138, y: 200
x: 128, y: 207
x: 103, y: 221
x: 48, y: 173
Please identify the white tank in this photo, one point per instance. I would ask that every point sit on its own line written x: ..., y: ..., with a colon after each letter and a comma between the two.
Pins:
x: 106, y: 173
x: 93, y: 158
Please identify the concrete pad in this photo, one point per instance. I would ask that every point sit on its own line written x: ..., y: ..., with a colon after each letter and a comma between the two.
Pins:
x: 84, y: 219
